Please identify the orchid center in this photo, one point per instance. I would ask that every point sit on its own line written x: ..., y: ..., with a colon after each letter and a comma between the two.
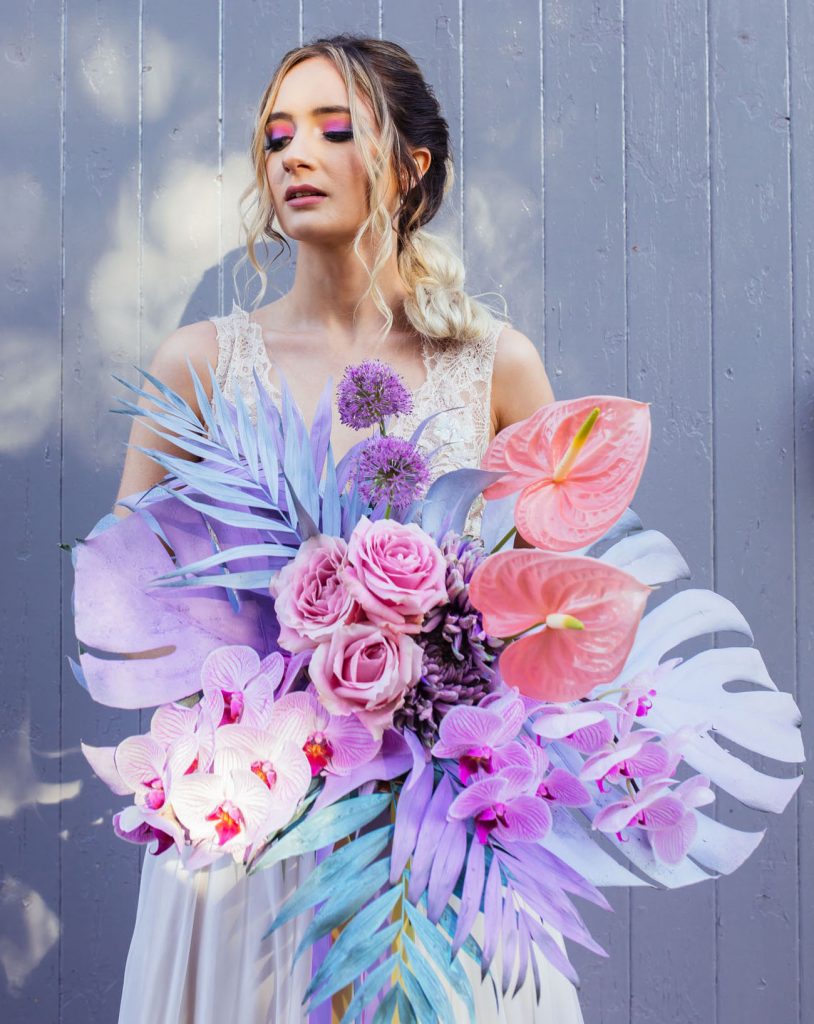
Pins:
x: 232, y: 707
x: 474, y: 760
x: 228, y: 821
x: 488, y: 820
x: 318, y: 750
x: 154, y: 797
x: 265, y: 771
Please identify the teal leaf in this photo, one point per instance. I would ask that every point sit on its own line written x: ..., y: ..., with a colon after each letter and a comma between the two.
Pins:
x: 439, y: 949
x: 430, y: 985
x: 332, y: 872
x: 325, y: 827
x: 346, y: 962
x: 372, y: 984
x: 347, y: 900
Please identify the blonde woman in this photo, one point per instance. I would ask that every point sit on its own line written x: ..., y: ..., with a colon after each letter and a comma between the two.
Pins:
x: 351, y: 159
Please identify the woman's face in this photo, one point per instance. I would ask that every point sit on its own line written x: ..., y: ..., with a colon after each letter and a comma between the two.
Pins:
x: 309, y: 141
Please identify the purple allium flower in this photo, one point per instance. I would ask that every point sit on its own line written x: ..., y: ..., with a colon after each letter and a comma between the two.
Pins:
x: 393, y: 470
x: 370, y: 391
x: 458, y: 653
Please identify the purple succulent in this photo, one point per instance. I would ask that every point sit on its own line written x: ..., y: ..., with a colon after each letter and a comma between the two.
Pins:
x: 392, y: 470
x: 370, y: 391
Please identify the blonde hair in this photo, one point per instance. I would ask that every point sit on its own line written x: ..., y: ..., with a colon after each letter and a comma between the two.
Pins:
x: 407, y: 114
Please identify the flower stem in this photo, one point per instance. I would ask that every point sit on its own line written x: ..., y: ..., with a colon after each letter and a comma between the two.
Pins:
x: 504, y: 540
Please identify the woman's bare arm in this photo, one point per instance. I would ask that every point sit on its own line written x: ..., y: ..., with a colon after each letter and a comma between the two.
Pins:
x: 199, y: 343
x: 520, y: 384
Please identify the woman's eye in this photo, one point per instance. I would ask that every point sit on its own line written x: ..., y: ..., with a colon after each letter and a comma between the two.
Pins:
x: 275, y: 144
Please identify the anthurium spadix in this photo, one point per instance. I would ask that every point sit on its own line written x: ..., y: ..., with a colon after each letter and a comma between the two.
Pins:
x: 573, y: 619
x: 576, y: 463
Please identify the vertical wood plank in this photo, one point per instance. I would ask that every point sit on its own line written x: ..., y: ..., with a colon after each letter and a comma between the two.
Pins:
x: 801, y: 70
x: 251, y: 52
x: 430, y: 32
x: 753, y: 402
x: 99, y: 872
x: 30, y: 438
x: 667, y: 218
x: 181, y: 167
x: 586, y: 312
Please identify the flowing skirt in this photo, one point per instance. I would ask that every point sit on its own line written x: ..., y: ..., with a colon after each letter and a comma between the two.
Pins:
x: 197, y: 955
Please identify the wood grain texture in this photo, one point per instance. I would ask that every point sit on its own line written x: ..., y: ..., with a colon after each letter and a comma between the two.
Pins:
x: 635, y: 178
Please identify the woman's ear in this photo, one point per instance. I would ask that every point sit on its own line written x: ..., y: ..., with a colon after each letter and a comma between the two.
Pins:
x: 423, y: 159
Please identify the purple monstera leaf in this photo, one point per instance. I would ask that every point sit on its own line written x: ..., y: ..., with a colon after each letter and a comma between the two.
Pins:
x: 144, y: 645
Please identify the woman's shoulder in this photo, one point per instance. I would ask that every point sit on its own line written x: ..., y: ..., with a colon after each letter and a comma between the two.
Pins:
x: 520, y: 384
x: 196, y: 344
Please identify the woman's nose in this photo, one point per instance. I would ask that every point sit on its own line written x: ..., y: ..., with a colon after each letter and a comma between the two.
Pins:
x: 296, y: 153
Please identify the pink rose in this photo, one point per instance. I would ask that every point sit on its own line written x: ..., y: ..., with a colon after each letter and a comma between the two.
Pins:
x: 365, y: 669
x: 395, y: 571
x: 311, y: 599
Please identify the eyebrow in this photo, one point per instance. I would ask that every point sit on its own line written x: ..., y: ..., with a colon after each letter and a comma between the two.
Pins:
x: 281, y: 115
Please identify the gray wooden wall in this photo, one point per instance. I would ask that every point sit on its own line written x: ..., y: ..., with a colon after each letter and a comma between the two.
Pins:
x: 636, y: 177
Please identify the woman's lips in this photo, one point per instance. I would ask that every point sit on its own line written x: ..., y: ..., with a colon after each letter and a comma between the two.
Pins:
x: 305, y: 200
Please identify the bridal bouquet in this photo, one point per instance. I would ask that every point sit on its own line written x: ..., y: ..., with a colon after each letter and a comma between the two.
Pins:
x: 453, y: 726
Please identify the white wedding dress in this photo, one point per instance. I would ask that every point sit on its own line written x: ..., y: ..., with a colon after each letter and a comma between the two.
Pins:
x: 196, y: 955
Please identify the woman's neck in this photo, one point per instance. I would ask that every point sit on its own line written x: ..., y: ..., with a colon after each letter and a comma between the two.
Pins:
x: 328, y: 284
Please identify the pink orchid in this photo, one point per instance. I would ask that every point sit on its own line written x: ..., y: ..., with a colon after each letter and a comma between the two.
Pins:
x: 583, y: 727
x: 576, y: 463
x: 637, y: 693
x: 332, y: 744
x: 224, y: 813
x: 277, y: 761
x: 667, y: 817
x: 478, y: 736
x: 634, y: 755
x: 188, y: 734
x: 238, y: 686
x: 141, y: 764
x: 579, y: 615
x: 503, y: 805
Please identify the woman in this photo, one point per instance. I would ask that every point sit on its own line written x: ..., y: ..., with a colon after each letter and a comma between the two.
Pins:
x: 351, y: 159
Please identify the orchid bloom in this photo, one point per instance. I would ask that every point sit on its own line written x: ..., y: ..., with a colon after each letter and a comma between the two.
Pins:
x: 478, y: 736
x: 583, y: 727
x: 332, y: 744
x: 633, y: 755
x: 637, y: 693
x: 576, y: 463
x: 188, y: 734
x: 503, y: 805
x: 277, y: 761
x: 238, y: 686
x: 667, y: 817
x: 141, y: 764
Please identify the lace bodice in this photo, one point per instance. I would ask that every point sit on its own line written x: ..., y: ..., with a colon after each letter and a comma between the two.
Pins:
x: 458, y: 379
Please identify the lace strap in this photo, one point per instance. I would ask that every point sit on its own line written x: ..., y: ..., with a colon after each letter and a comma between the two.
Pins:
x: 240, y: 350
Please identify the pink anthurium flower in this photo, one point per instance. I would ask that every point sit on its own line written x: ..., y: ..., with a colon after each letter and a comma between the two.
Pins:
x: 478, y: 736
x: 503, y: 805
x: 332, y: 744
x: 238, y: 686
x: 576, y: 463
x: 583, y: 615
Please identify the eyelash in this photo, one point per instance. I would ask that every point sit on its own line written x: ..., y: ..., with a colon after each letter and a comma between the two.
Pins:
x: 274, y: 145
